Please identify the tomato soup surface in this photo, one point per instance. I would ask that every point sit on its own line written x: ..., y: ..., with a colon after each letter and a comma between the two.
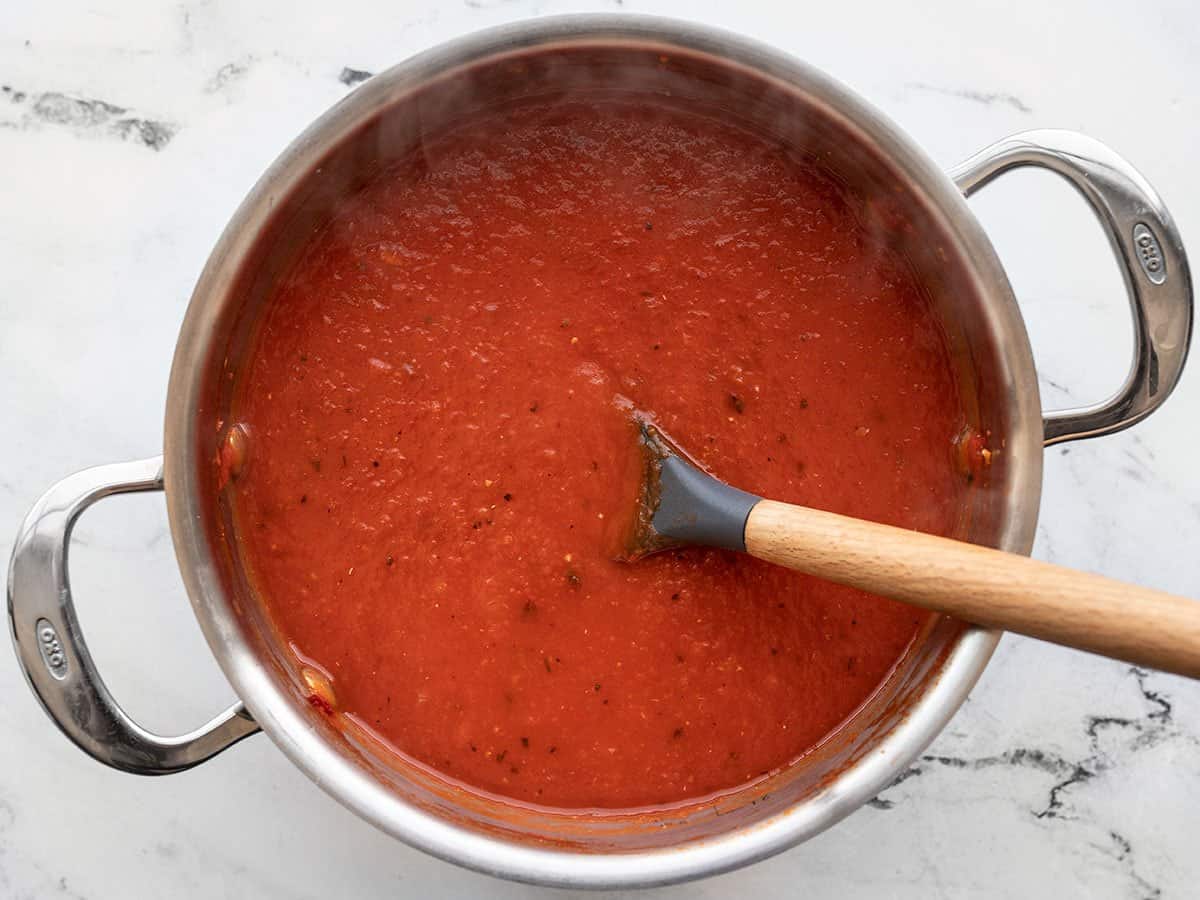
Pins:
x: 437, y: 421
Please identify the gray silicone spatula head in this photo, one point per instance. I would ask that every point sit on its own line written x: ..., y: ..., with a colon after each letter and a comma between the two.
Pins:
x: 678, y: 503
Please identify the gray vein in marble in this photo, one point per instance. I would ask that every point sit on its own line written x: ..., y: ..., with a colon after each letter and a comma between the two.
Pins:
x: 1047, y: 545
x: 1121, y: 850
x: 351, y: 77
x: 1140, y: 443
x: 56, y: 883
x: 1135, y: 474
x: 86, y: 116
x: 183, y: 846
x: 189, y: 40
x: 94, y: 540
x: 65, y: 889
x: 1054, y: 802
x: 1165, y: 710
x: 1142, y: 460
x: 1082, y: 464
x: 880, y: 803
x: 1155, y: 727
x: 227, y: 75
x: 987, y: 98
x: 1054, y: 384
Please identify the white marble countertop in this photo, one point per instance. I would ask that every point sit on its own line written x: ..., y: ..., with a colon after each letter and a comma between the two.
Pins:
x: 129, y: 132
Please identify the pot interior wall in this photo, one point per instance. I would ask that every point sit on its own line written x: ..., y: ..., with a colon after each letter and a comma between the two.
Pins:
x: 404, y: 115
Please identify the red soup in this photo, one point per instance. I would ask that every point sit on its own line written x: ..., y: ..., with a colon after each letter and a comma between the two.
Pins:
x: 437, y: 429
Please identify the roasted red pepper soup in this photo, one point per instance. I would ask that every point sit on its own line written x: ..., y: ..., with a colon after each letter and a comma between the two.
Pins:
x: 435, y: 427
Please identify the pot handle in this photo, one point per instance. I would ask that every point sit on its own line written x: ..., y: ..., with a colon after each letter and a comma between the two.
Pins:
x: 50, y: 645
x: 1148, y: 248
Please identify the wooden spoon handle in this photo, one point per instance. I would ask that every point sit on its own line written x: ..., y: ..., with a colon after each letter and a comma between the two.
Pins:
x: 989, y: 587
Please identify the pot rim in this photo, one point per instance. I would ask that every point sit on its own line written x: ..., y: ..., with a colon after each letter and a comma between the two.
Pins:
x: 275, y: 711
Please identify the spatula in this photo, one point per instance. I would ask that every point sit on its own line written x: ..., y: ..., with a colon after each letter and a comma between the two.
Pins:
x: 679, y: 504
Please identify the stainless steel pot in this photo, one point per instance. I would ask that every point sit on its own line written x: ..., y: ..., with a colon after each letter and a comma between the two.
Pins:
x: 922, y: 209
